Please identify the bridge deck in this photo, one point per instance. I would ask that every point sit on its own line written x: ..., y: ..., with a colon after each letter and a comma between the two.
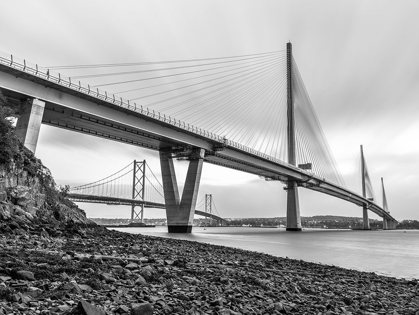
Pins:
x: 130, y: 202
x: 74, y: 108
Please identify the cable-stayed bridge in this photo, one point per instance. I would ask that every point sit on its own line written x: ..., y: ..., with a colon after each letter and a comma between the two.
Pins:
x: 135, y: 185
x: 253, y: 112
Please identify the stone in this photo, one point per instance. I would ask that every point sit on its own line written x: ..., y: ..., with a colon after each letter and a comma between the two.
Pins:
x: 34, y: 292
x: 147, y: 272
x: 27, y: 275
x: 123, y: 309
x: 39, y: 200
x: 44, y: 234
x: 132, y: 266
x: 108, y: 277
x: 18, y: 211
x: 24, y: 199
x: 14, y: 225
x: 141, y: 309
x: 85, y: 288
x: 30, y: 216
x: 140, y: 280
x: 5, y: 212
x: 63, y: 308
x: 3, y: 196
x: 84, y: 308
x: 72, y: 287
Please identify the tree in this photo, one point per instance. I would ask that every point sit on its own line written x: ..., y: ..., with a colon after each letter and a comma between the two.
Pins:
x: 9, y: 144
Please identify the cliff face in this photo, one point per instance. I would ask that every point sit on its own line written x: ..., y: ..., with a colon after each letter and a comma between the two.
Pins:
x: 28, y: 194
x: 27, y: 200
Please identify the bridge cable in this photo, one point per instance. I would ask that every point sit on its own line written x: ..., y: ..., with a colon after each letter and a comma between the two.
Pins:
x: 149, y: 63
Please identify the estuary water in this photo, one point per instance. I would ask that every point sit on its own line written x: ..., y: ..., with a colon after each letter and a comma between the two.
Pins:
x: 391, y: 253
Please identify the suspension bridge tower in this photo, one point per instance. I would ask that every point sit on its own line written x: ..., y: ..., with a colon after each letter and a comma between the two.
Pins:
x: 138, y: 189
x: 208, y: 203
x: 293, y: 205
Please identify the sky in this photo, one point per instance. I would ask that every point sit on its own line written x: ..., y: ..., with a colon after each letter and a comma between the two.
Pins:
x: 358, y: 60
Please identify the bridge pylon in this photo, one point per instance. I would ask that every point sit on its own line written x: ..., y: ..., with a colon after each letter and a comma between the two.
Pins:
x: 366, y: 221
x: 293, y: 204
x: 208, y: 203
x: 180, y: 212
x: 138, y: 189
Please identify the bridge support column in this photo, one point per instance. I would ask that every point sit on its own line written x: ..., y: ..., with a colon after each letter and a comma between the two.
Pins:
x: 366, y: 221
x: 385, y: 225
x: 293, y: 207
x: 180, y: 212
x: 29, y: 123
x: 392, y: 224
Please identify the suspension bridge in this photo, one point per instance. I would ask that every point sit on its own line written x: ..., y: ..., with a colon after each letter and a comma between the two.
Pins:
x: 137, y: 186
x: 250, y: 113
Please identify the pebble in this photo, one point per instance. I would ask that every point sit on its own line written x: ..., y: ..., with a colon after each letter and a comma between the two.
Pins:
x: 92, y: 273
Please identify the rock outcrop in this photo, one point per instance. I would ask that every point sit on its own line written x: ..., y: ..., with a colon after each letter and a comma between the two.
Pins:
x: 27, y: 200
x: 29, y: 196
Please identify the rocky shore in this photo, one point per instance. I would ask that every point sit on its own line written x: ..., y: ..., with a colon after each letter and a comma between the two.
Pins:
x: 96, y: 271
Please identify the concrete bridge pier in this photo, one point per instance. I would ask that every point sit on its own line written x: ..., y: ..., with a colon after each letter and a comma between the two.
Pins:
x: 366, y: 221
x: 293, y: 207
x: 391, y: 224
x: 29, y: 123
x: 180, y: 212
x: 385, y: 225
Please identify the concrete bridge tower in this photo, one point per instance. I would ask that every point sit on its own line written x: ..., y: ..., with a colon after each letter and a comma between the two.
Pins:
x: 366, y: 221
x: 293, y: 205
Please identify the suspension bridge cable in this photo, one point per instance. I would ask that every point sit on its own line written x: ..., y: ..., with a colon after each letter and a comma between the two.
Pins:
x: 271, y: 136
x: 103, y: 178
x: 235, y: 94
x: 187, y: 86
x: 215, y: 106
x: 240, y: 132
x: 163, y: 76
x: 193, y: 78
x: 271, y: 112
x: 327, y: 165
x: 255, y: 132
x: 250, y: 90
x: 215, y: 208
x: 192, y: 92
x: 232, y: 86
x: 280, y: 132
x: 149, y: 63
x: 262, y: 116
x: 102, y: 183
x: 222, y: 121
x: 110, y: 74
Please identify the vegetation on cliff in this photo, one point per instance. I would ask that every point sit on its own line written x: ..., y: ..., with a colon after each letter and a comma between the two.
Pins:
x: 28, y: 193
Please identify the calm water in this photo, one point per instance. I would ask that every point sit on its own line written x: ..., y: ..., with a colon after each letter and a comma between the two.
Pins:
x: 392, y: 253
